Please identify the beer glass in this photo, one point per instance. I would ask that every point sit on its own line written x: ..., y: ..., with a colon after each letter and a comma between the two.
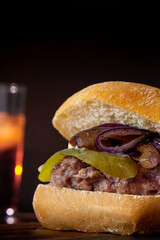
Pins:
x: 12, y: 128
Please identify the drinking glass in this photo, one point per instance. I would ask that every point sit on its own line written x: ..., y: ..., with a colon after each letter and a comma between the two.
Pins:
x: 12, y: 129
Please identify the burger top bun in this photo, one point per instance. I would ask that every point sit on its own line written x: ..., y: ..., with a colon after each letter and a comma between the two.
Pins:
x: 129, y: 103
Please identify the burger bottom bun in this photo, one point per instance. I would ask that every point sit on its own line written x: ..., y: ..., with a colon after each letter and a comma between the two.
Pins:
x: 69, y: 209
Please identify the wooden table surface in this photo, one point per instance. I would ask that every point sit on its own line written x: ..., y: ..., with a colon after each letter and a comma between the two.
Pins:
x: 25, y: 226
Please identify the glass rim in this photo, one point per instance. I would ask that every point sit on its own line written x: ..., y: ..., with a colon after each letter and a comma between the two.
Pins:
x: 13, y: 97
x: 9, y: 85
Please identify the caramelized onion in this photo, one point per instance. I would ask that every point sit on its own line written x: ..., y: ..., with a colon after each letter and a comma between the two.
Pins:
x: 86, y: 138
x: 120, y: 131
x: 149, y: 157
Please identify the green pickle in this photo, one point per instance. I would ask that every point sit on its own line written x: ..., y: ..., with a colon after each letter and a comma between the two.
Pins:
x: 115, y: 165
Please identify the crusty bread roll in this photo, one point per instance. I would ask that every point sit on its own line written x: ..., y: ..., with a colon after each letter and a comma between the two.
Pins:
x: 56, y: 208
x: 133, y: 104
x: 68, y: 209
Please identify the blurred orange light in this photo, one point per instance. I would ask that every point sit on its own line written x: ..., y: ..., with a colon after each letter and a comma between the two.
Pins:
x: 18, y: 170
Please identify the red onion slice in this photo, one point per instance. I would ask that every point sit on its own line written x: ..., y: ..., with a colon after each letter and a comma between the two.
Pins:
x: 113, y: 132
x: 112, y: 125
x: 156, y: 143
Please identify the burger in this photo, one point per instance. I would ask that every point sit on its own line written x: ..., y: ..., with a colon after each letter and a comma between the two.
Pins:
x: 108, y: 179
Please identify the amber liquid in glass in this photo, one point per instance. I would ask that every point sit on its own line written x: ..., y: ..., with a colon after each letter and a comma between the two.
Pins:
x: 11, y: 156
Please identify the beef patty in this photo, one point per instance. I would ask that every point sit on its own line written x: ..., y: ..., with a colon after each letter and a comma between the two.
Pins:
x: 75, y: 174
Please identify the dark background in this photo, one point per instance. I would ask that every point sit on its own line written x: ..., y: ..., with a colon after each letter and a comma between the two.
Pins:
x: 60, y: 49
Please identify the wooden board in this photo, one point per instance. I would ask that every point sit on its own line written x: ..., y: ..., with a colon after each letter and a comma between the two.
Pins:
x: 26, y: 227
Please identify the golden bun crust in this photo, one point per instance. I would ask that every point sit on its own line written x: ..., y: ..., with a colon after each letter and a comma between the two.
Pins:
x: 68, y: 209
x: 125, y: 102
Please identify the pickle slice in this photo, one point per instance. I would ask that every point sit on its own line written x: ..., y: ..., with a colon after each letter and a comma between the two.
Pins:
x: 115, y: 165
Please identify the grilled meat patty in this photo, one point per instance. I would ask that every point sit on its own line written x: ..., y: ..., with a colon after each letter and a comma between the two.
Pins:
x: 75, y: 174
